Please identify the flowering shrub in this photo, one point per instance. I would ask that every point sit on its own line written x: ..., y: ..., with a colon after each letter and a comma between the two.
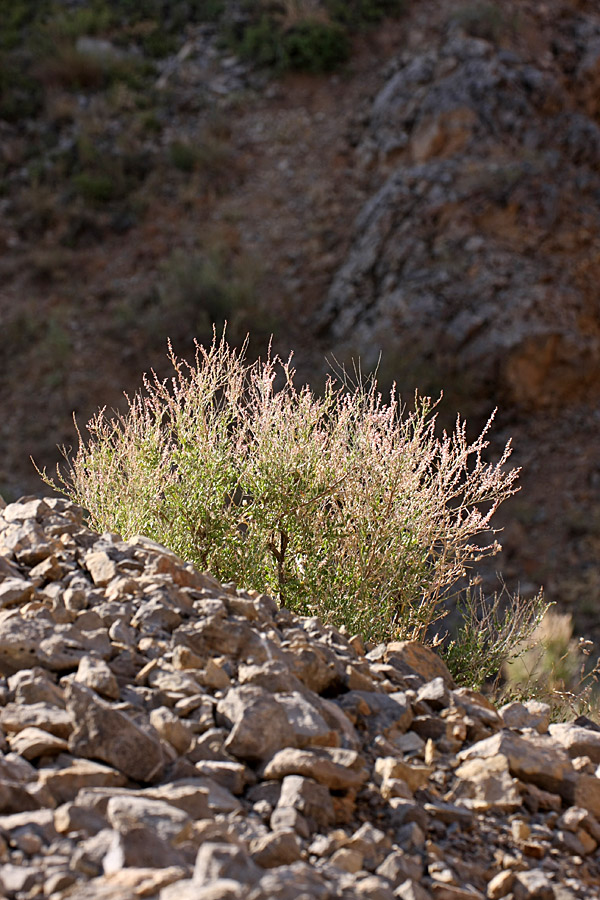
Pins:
x: 341, y: 505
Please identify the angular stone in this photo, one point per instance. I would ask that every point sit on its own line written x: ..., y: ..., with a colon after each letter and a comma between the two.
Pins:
x: 31, y: 743
x: 315, y: 665
x: 70, y: 817
x: 533, y: 885
x: 372, y: 843
x: 501, y: 884
x: 38, y: 821
x: 138, y: 881
x: 586, y: 794
x: 171, y: 728
x: 139, y: 846
x: 232, y: 776
x: 15, y: 717
x: 453, y: 892
x: 577, y: 741
x: 347, y: 859
x: 35, y: 685
x: 220, y: 889
x: 260, y: 724
x: 486, y: 784
x: 217, y: 860
x: 308, y: 797
x: 20, y: 641
x: 412, y: 657
x: 16, y: 798
x: 286, y: 818
x: 109, y: 735
x: 279, y: 848
x: 306, y: 725
x: 531, y: 714
x: 17, y: 880
x: 25, y: 508
x: 125, y: 812
x: 530, y: 758
x: 214, y: 677
x: 414, y: 776
x: 412, y: 890
x: 96, y: 674
x: 336, y: 768
x: 29, y: 543
x: 397, y: 867
x: 273, y: 675
x: 435, y: 693
x: 371, y: 887
x: 13, y: 768
x: 100, y: 566
x: 379, y: 713
x: 479, y: 707
x: 15, y: 591
x: 72, y: 775
x: 298, y: 880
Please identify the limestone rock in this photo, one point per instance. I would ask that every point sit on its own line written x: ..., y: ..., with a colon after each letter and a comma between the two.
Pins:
x: 336, y: 768
x: 308, y: 797
x: 109, y: 735
x: 96, y: 674
x: 576, y: 740
x: 216, y: 860
x: 259, y: 723
x: 531, y: 714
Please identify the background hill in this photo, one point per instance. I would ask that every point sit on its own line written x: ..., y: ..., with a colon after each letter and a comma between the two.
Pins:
x: 433, y: 198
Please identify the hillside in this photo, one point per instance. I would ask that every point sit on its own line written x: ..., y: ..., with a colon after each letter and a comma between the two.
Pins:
x: 434, y: 199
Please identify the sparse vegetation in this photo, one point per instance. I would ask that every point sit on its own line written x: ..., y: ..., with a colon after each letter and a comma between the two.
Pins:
x: 343, y: 506
x: 305, y: 35
x: 494, y: 632
x: 195, y: 291
x: 485, y: 20
x: 557, y: 668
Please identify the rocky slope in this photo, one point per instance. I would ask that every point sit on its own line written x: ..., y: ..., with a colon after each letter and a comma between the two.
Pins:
x: 436, y: 200
x: 472, y: 261
x: 169, y: 737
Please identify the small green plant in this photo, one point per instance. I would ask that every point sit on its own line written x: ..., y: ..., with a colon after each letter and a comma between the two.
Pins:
x: 315, y: 47
x: 95, y: 188
x: 303, y: 35
x: 357, y: 13
x: 183, y: 156
x: 494, y: 632
x: 341, y: 505
x: 309, y: 45
x: 206, y: 287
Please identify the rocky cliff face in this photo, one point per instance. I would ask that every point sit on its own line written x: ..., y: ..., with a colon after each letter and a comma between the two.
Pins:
x: 166, y: 736
x: 475, y: 261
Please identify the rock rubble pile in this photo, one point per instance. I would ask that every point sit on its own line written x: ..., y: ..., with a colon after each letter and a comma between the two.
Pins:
x: 167, y: 736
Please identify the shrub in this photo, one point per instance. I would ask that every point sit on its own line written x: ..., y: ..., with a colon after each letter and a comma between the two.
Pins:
x: 343, y: 506
x: 95, y: 188
x: 315, y: 47
x: 356, y: 13
x: 494, y: 632
x: 303, y: 35
x: 183, y: 156
x: 205, y: 288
